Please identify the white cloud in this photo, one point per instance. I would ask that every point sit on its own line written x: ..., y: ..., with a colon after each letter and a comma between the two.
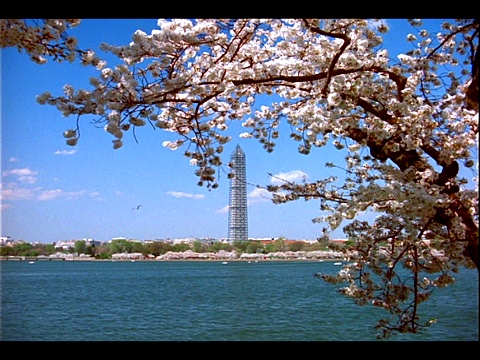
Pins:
x: 94, y: 194
x: 5, y: 206
x: 24, y: 175
x: 13, y: 159
x: 179, y: 194
x: 50, y: 194
x: 58, y: 193
x: 223, y: 210
x: 258, y: 195
x: 65, y: 152
x: 20, y: 172
x: 291, y: 176
x: 12, y: 192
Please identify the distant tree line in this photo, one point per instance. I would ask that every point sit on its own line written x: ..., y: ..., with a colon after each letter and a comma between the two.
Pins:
x: 157, y: 248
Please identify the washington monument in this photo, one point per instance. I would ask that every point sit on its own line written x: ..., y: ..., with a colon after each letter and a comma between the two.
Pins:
x: 237, y: 209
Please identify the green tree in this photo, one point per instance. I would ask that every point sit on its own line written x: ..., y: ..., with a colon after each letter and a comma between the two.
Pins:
x: 80, y: 246
x: 315, y: 246
x: 279, y: 244
x: 90, y: 250
x: 197, y: 246
x: 158, y: 248
x: 50, y: 249
x: 103, y: 252
x: 297, y: 246
x: 254, y: 247
x: 406, y: 125
x: 138, y: 247
x: 121, y: 246
x: 180, y: 247
x: 241, y: 245
x: 23, y: 249
x: 226, y: 247
x: 217, y: 246
x: 7, y: 251
x: 271, y: 247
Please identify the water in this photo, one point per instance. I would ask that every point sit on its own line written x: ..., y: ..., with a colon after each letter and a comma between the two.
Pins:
x: 204, y: 301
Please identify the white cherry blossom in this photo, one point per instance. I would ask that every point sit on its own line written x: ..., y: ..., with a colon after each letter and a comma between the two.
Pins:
x: 406, y: 124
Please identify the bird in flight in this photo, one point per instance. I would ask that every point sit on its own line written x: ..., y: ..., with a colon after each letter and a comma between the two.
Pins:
x: 137, y: 207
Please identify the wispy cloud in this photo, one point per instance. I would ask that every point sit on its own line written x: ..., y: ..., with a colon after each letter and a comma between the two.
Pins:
x: 255, y: 196
x: 179, y: 194
x: 24, y: 175
x: 50, y: 194
x: 13, y: 159
x: 223, y: 210
x: 58, y: 193
x: 291, y: 176
x: 258, y: 195
x: 94, y: 194
x: 65, y: 152
x: 13, y: 191
x: 5, y: 206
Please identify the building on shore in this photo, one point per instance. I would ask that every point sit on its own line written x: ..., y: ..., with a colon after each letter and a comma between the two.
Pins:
x: 237, y: 209
x: 70, y: 244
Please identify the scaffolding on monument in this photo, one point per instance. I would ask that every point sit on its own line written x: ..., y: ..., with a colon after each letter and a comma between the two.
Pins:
x: 237, y: 209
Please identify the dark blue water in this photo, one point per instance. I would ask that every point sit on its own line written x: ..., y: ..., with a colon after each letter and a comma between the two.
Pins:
x: 204, y: 301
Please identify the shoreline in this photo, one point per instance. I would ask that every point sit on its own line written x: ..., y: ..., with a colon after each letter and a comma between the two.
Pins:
x: 83, y: 259
x: 222, y: 256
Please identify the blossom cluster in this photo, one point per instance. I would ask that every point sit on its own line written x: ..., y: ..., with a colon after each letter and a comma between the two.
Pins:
x: 46, y: 38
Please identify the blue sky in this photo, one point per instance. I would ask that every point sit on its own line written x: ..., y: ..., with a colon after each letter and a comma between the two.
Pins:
x: 53, y: 192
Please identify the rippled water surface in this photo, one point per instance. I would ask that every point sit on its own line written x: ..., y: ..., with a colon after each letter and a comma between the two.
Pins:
x: 204, y: 301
